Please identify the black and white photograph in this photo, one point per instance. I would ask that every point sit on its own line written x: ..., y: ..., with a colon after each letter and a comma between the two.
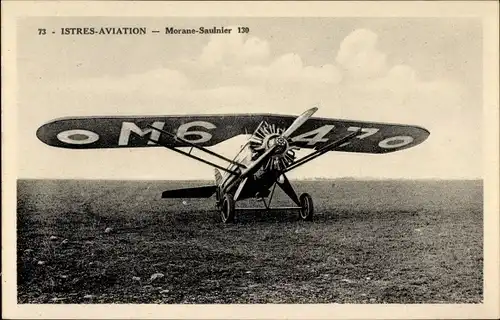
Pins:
x: 252, y: 158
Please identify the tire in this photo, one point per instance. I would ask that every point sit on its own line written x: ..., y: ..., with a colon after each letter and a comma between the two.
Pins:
x: 307, y: 207
x: 227, y: 209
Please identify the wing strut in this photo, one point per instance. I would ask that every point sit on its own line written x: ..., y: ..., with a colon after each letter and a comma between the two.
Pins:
x: 194, y: 157
x: 322, y: 150
x: 192, y: 145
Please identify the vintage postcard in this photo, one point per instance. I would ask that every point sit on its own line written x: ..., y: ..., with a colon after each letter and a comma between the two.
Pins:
x: 250, y: 160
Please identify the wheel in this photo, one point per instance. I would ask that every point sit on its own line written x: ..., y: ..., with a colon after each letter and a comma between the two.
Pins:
x: 227, y: 210
x: 307, y: 207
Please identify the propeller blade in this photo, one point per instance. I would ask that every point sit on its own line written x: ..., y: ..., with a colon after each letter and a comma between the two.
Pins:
x: 299, y: 122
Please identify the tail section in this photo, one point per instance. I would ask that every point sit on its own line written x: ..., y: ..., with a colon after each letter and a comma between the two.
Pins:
x: 197, y: 192
x: 218, y: 177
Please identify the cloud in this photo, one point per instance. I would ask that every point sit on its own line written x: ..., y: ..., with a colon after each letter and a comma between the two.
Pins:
x: 290, y: 68
x: 153, y: 82
x: 403, y: 73
x: 375, y: 91
x: 234, y: 48
x: 237, y: 74
x: 227, y: 99
x: 359, y: 56
x: 400, y: 96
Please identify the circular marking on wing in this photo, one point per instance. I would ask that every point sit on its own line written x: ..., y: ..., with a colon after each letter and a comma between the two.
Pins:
x: 395, y: 142
x: 77, y: 136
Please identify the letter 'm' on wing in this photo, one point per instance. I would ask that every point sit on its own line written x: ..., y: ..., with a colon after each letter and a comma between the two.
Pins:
x: 209, y: 130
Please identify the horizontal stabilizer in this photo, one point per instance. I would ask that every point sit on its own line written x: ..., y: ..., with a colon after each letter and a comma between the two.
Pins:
x: 197, y: 192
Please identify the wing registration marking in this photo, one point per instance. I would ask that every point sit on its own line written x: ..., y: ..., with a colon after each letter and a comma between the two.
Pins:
x: 395, y: 142
x: 77, y: 136
x: 318, y: 135
x: 203, y: 136
x: 208, y: 130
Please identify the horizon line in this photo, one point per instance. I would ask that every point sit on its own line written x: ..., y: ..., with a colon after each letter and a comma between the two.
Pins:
x: 293, y: 179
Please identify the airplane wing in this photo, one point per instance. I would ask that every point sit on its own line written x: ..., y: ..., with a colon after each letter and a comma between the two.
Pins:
x: 369, y: 137
x: 209, y: 130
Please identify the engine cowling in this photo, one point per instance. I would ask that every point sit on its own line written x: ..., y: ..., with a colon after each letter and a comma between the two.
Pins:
x: 267, y: 136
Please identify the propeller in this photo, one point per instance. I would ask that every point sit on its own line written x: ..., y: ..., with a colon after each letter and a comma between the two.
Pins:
x: 271, y: 144
x: 299, y: 122
x: 273, y: 141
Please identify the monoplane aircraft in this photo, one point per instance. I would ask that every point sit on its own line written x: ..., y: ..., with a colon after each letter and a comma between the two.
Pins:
x: 262, y: 162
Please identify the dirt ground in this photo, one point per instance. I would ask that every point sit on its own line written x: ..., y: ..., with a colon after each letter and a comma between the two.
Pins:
x: 370, y: 242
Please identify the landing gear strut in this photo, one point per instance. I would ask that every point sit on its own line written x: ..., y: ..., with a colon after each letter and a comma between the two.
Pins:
x: 304, y: 204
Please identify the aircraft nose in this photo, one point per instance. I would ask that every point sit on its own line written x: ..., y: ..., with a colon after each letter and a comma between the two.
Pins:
x: 280, y: 141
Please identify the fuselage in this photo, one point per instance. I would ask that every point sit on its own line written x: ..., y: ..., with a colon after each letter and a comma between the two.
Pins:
x: 258, y: 184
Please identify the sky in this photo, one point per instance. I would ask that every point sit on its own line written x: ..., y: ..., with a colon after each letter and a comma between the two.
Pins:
x: 423, y: 71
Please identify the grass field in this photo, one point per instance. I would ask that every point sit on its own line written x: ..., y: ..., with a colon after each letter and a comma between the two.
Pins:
x: 370, y: 242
